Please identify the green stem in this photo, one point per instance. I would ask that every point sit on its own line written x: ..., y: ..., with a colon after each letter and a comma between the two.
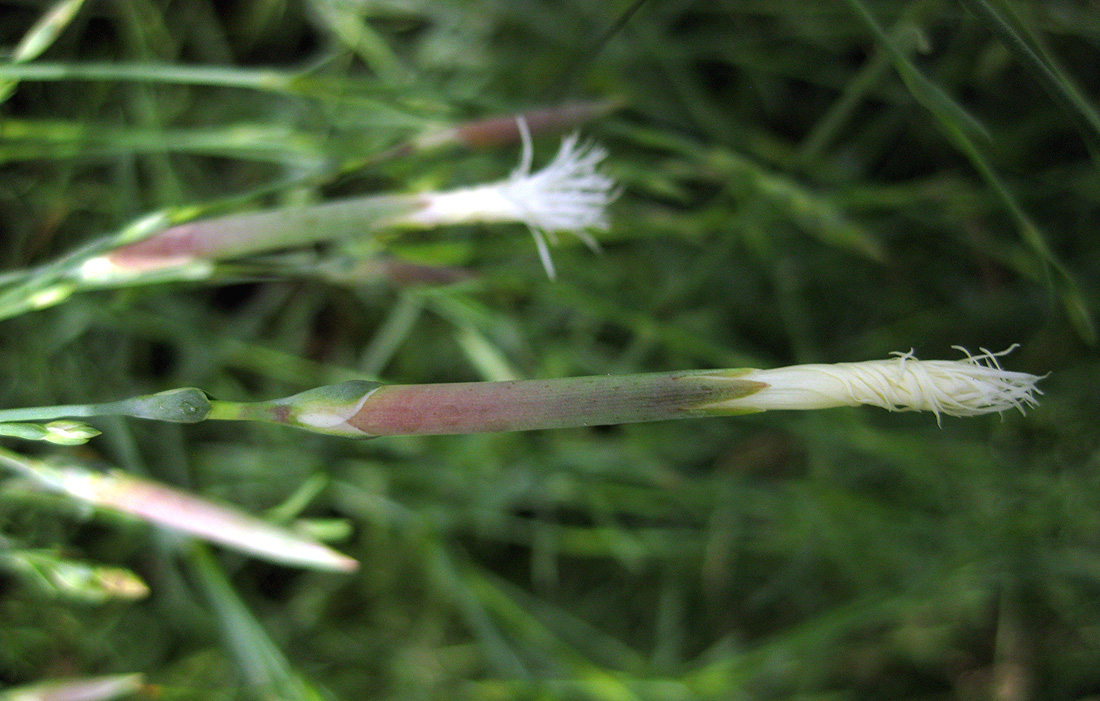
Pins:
x: 187, y: 405
x: 49, y: 413
x: 264, y: 79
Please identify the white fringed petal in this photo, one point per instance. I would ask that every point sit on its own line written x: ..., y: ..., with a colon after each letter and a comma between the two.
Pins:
x: 568, y: 195
x: 969, y: 387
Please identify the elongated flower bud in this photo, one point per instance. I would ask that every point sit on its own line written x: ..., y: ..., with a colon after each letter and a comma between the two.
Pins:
x: 181, y: 512
x: 73, y: 579
x: 192, y: 515
x: 105, y: 688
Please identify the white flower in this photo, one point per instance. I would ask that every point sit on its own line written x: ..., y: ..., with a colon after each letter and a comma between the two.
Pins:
x: 976, y: 385
x: 569, y: 194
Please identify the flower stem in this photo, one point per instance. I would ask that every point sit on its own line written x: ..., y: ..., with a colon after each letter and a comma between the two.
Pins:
x: 187, y: 405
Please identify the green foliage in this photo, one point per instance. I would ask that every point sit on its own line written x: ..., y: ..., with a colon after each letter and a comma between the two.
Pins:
x: 802, y: 182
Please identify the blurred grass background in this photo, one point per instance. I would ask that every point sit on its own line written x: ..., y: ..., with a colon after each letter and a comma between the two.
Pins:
x: 810, y: 181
